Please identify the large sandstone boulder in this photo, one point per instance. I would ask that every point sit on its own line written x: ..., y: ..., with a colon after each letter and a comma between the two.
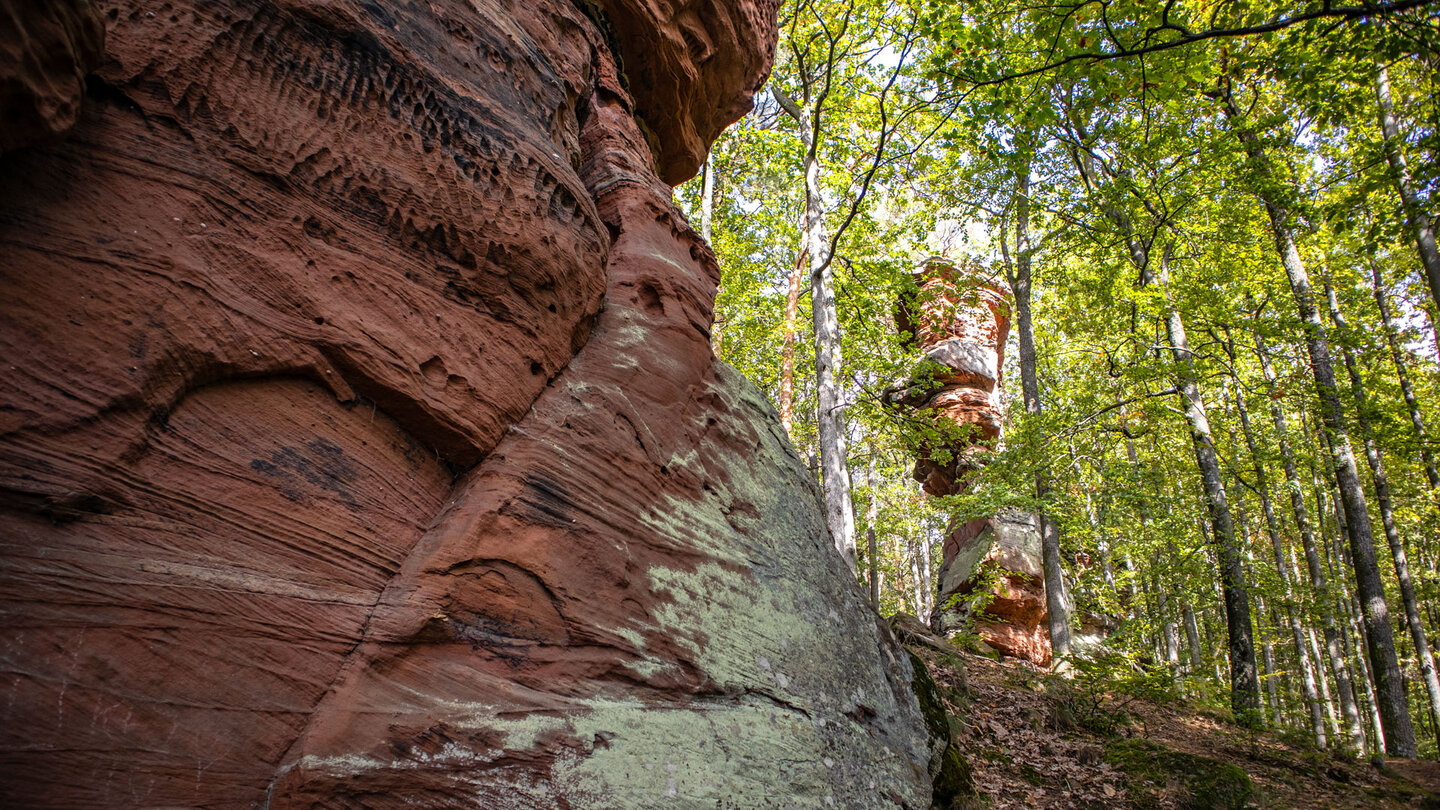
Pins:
x: 992, y: 582
x: 958, y: 321
x: 362, y: 445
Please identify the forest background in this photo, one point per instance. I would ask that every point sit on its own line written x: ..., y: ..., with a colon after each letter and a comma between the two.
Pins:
x: 1222, y: 380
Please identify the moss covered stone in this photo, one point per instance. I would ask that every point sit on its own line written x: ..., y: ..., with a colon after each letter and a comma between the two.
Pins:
x: 952, y: 777
x: 1205, y: 783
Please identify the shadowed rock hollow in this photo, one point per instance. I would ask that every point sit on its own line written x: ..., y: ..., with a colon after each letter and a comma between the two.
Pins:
x: 362, y: 444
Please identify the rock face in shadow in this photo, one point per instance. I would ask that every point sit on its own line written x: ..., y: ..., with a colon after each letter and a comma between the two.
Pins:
x: 46, y: 48
x: 959, y: 321
x: 362, y: 444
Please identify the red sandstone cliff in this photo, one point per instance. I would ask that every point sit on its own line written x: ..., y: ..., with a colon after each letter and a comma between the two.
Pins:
x: 361, y: 444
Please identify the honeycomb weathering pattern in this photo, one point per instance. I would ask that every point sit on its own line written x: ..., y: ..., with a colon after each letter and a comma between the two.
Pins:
x: 362, y: 446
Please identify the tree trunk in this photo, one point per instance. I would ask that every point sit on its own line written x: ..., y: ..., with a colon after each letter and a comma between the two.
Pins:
x: 1332, y: 718
x: 1272, y: 530
x: 1267, y: 658
x: 1057, y: 600
x: 1387, y: 513
x: 874, y: 569
x: 1414, y: 211
x: 1394, y: 710
x: 830, y: 414
x: 1192, y: 640
x: 1397, y: 356
x: 919, y: 581
x: 1244, y: 679
x: 787, y: 348
x: 1349, y: 607
x: 872, y: 552
x: 1318, y: 581
x: 707, y: 197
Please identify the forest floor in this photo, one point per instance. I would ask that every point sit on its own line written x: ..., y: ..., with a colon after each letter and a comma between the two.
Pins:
x: 1035, y: 741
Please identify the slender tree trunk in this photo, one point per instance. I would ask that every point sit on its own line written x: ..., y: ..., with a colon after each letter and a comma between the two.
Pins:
x: 830, y: 415
x: 1318, y: 581
x: 1267, y: 658
x: 1169, y: 632
x: 787, y: 348
x: 1394, y: 709
x: 1387, y: 512
x: 1192, y: 640
x: 707, y: 197
x: 1397, y: 356
x: 927, y: 598
x: 1367, y: 678
x: 872, y: 553
x: 1057, y: 599
x: 1414, y: 210
x: 1244, y: 679
x: 1272, y: 530
x: 874, y: 568
x: 1331, y: 717
x: 918, y: 580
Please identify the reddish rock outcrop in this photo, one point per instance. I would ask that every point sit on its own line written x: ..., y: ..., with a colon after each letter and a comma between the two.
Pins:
x: 46, y: 48
x: 362, y: 445
x: 959, y: 320
x: 995, y: 563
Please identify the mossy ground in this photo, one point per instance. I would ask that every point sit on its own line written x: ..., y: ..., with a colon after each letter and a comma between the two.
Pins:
x: 1196, y: 782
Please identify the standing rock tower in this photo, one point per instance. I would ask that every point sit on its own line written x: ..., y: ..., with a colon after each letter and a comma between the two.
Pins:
x: 959, y: 321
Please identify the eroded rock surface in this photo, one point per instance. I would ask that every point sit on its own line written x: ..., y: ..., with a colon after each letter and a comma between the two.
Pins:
x: 362, y: 445
x: 958, y: 322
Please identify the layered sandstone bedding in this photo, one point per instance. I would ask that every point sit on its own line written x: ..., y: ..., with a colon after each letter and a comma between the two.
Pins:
x: 361, y: 444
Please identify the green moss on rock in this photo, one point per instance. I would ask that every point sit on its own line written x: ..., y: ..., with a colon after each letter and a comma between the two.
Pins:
x: 951, y: 773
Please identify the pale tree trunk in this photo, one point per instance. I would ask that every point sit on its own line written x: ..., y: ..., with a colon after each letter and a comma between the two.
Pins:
x: 1394, y: 710
x: 1272, y: 530
x: 787, y: 347
x: 871, y: 546
x: 1414, y: 211
x: 1318, y: 582
x: 927, y: 600
x: 874, y: 569
x: 830, y: 414
x: 1332, y: 718
x: 707, y: 197
x: 1397, y: 356
x: 1244, y: 679
x: 1192, y: 640
x: 918, y: 579
x: 1057, y: 599
x: 1267, y: 658
x: 1169, y: 631
x: 1387, y: 513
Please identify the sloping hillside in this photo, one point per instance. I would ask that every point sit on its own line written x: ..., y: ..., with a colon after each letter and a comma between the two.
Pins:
x: 1036, y: 741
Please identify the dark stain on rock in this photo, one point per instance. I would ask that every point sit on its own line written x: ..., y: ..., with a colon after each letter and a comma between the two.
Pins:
x: 320, y: 463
